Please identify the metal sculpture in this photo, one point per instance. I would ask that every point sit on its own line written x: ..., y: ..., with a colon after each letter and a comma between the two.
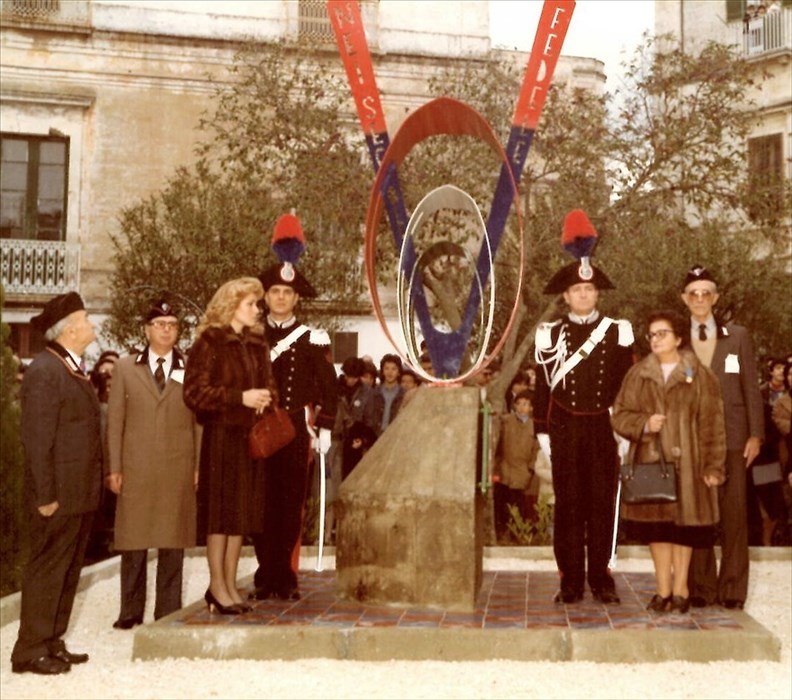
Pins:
x: 442, y: 116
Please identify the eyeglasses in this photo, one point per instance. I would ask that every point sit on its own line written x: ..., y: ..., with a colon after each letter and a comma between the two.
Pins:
x: 699, y: 294
x: 659, y: 334
x: 164, y: 325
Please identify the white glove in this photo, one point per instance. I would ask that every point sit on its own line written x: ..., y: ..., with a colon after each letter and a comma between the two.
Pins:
x: 544, y: 443
x: 325, y: 439
x: 623, y: 446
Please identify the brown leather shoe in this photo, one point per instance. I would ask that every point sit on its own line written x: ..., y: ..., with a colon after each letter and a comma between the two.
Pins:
x: 44, y: 666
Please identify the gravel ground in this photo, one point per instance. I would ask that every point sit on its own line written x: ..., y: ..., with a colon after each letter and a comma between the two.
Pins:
x: 111, y: 674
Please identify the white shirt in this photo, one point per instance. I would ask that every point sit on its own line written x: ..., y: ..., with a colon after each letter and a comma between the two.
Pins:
x: 593, y: 316
x: 166, y: 366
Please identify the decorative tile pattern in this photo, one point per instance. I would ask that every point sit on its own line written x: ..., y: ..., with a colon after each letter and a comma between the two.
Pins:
x: 507, y: 600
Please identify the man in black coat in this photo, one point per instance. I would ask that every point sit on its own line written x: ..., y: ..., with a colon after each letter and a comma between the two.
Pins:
x: 61, y: 435
x: 727, y: 350
x: 306, y: 382
x: 582, y: 359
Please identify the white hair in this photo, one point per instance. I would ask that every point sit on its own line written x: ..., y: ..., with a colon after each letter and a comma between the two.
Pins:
x: 54, y: 331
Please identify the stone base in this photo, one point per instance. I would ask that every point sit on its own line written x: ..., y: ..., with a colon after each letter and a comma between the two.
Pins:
x: 410, y: 516
x: 515, y: 619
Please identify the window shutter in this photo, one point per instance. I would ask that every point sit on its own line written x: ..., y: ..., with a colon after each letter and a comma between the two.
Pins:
x: 735, y: 9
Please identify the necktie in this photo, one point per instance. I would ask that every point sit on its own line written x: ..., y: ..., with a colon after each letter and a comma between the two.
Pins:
x: 702, y: 331
x: 159, y: 374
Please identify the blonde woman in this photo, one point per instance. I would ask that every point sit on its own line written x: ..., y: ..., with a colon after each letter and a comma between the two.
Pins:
x: 228, y: 382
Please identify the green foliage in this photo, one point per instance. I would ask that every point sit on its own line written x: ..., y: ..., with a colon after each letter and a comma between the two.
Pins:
x: 12, y: 540
x: 528, y: 533
x: 183, y: 243
x: 659, y: 166
x: 276, y: 139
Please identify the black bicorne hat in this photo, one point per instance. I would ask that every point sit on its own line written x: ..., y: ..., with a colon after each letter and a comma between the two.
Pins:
x: 574, y: 274
x: 579, y: 239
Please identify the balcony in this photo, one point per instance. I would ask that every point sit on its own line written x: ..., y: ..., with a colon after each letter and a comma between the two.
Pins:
x: 56, y: 15
x: 30, y: 268
x: 770, y: 34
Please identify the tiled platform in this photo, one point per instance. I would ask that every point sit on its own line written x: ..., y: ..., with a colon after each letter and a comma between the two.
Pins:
x: 514, y: 618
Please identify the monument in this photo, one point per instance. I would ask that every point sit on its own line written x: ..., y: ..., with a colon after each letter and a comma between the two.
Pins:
x: 410, y: 516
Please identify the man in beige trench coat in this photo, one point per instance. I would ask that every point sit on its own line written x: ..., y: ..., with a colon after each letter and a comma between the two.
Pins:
x: 153, y: 444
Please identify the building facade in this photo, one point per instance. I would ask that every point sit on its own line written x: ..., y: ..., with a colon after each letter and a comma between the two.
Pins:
x: 762, y: 33
x: 100, y: 100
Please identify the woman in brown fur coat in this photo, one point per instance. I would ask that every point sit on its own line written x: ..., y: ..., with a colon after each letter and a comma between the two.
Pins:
x: 228, y: 383
x: 670, y: 394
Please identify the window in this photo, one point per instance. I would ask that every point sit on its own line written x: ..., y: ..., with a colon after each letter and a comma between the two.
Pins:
x: 345, y: 344
x: 33, y: 187
x: 766, y: 173
x: 314, y: 22
x: 735, y: 9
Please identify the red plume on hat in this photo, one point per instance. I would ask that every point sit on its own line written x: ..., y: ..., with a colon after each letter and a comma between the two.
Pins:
x: 579, y: 237
x: 288, y: 244
x: 288, y: 241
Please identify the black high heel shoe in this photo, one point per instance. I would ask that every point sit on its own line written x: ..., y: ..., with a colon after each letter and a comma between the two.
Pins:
x: 679, y: 604
x: 215, y: 607
x: 659, y: 604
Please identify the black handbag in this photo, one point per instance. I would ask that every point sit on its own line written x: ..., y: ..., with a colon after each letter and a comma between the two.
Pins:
x: 655, y: 482
x: 272, y: 432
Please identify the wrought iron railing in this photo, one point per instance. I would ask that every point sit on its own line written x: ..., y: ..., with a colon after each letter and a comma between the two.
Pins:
x: 314, y: 22
x: 71, y: 12
x: 765, y: 34
x: 39, y: 267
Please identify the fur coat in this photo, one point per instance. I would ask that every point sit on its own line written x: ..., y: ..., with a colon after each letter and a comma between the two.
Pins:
x: 693, y: 437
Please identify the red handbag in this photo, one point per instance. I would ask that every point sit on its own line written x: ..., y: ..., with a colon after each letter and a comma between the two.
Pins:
x: 272, y: 432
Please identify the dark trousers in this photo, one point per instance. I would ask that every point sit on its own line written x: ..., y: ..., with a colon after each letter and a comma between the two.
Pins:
x: 49, y: 584
x: 134, y: 565
x: 769, y: 497
x: 503, y: 497
x: 585, y: 473
x: 286, y: 482
x: 731, y: 582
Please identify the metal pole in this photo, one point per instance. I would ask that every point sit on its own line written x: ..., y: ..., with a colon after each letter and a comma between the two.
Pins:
x: 322, y: 499
x: 612, y: 562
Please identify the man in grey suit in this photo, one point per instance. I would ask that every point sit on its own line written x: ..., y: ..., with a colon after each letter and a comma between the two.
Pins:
x: 153, y: 443
x: 61, y: 435
x: 728, y: 351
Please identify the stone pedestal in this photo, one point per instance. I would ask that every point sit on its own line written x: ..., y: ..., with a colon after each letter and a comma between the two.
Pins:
x: 410, y: 516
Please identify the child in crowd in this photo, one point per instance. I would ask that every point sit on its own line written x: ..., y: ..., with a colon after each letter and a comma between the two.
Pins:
x: 514, y: 474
